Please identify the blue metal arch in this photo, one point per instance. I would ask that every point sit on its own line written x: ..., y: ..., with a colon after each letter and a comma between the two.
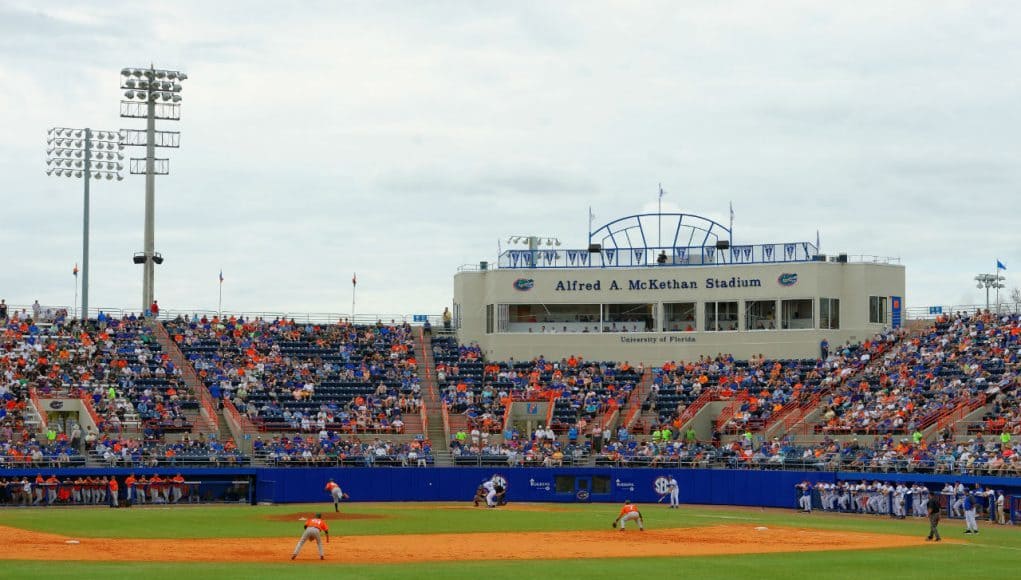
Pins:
x: 683, y: 230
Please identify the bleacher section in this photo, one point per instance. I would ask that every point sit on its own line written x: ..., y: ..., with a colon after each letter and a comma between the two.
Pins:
x: 310, y: 378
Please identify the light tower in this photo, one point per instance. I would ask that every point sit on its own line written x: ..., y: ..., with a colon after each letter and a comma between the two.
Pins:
x: 988, y: 281
x: 85, y: 154
x: 151, y: 94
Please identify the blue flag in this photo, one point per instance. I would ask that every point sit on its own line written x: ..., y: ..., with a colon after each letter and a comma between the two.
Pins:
x: 1000, y: 266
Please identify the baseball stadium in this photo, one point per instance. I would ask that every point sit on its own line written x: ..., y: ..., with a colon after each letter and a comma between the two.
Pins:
x: 452, y: 445
x: 673, y: 395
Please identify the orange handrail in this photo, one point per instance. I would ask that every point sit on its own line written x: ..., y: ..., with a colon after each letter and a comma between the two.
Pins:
x: 38, y: 407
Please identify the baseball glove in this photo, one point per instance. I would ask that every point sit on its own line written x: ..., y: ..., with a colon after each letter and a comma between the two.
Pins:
x: 613, y: 525
x: 345, y: 496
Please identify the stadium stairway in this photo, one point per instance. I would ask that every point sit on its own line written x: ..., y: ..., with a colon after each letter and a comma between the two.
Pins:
x: 430, y: 398
x: 632, y: 411
x: 206, y: 419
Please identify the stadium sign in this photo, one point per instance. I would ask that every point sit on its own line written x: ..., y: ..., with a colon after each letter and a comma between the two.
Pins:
x: 643, y: 284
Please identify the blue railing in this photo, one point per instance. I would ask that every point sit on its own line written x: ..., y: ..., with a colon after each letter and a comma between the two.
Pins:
x: 660, y: 256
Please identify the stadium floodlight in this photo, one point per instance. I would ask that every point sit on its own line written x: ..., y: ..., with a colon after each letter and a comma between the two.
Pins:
x: 63, y: 153
x: 152, y: 94
x: 991, y: 281
x: 534, y: 243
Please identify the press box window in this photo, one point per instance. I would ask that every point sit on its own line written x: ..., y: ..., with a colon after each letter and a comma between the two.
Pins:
x: 720, y: 316
x: 490, y: 315
x: 628, y: 317
x: 829, y: 313
x: 760, y: 315
x: 549, y: 318
x: 877, y: 309
x: 679, y: 317
x: 796, y: 314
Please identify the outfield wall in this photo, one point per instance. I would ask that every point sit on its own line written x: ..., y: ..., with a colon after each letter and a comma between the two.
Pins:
x: 698, y: 486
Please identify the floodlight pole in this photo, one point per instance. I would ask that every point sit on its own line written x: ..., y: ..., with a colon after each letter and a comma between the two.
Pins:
x: 85, y: 225
x: 149, y: 268
x: 64, y: 143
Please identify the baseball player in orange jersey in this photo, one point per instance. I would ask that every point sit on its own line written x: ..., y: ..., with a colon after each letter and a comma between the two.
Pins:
x: 177, y: 491
x: 334, y: 490
x: 313, y: 527
x: 627, y: 513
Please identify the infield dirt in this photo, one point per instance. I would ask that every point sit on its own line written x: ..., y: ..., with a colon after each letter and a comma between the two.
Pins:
x: 698, y: 541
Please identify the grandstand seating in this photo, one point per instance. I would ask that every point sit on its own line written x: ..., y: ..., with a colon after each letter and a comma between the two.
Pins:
x: 918, y: 380
x: 580, y: 390
x: 114, y: 365
x: 758, y: 387
x: 302, y: 377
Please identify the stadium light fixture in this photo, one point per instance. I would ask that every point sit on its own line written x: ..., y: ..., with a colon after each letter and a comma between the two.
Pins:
x: 60, y: 148
x: 987, y: 281
x: 151, y: 94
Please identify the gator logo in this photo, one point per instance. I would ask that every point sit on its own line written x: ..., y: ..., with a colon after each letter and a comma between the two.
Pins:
x: 524, y: 284
x: 786, y: 279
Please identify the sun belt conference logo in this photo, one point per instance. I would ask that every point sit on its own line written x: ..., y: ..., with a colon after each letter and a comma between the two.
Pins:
x: 524, y: 284
x: 787, y: 279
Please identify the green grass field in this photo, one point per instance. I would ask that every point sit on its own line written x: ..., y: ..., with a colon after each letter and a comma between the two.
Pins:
x: 995, y: 553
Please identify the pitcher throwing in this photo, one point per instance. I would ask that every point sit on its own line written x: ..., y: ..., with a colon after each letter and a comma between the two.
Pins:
x: 334, y: 490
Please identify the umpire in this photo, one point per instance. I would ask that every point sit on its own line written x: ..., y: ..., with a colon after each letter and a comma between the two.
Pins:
x: 934, y: 511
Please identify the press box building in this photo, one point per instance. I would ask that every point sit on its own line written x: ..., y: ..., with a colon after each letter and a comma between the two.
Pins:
x: 657, y: 287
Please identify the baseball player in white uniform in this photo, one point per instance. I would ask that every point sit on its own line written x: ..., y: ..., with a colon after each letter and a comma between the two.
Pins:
x: 805, y: 499
x: 922, y: 501
x: 675, y: 492
x: 899, y: 499
x: 958, y: 506
x: 490, y: 487
x: 845, y: 496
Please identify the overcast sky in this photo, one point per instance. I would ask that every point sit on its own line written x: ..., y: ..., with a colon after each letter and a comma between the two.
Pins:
x: 400, y: 140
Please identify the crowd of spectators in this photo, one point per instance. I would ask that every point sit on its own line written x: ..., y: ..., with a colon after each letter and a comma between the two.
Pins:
x: 288, y: 376
x: 964, y: 358
x: 760, y: 386
x: 114, y: 364
x: 580, y: 390
x: 332, y: 448
x: 541, y: 449
x: 132, y: 452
